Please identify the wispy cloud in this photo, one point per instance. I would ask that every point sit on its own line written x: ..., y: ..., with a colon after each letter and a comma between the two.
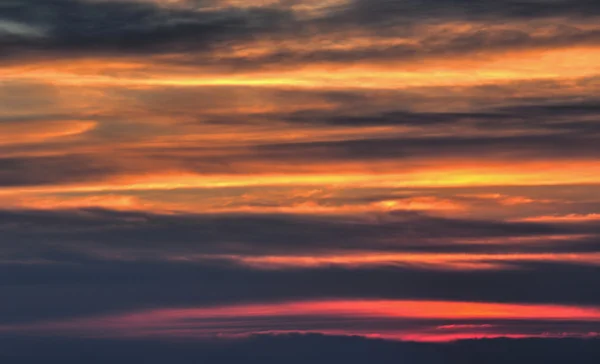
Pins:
x: 422, y: 170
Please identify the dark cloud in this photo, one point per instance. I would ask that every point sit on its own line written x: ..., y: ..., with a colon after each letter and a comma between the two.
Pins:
x: 293, y: 349
x: 122, y: 26
x: 27, y: 171
x: 538, y: 129
x: 63, y: 27
x: 382, y: 13
x: 81, y: 286
x: 61, y: 264
x: 572, y: 109
x: 536, y: 117
x: 387, y: 118
x: 406, y: 148
x: 133, y: 234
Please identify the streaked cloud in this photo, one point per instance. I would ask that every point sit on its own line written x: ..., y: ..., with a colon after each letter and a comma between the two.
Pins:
x: 416, y: 170
x: 329, y: 317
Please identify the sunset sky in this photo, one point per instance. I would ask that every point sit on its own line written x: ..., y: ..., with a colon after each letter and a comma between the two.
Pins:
x: 243, y: 170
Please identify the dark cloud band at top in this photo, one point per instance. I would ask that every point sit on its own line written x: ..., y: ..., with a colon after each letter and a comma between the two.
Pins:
x: 129, y: 27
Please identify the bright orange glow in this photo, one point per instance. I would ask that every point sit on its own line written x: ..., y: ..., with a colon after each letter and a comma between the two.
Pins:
x: 389, y: 309
x: 457, y: 261
x: 234, y: 320
x: 433, y: 176
x: 565, y: 218
x: 567, y: 63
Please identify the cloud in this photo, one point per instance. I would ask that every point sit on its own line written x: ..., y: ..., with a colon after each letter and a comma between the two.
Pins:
x: 27, y: 171
x: 207, y: 35
x: 497, y: 148
x: 538, y: 117
x: 292, y: 349
x: 392, y: 319
x: 200, y: 150
x: 380, y: 13
x: 63, y: 284
x: 114, y: 26
x: 22, y: 133
x: 107, y: 232
x: 266, y: 155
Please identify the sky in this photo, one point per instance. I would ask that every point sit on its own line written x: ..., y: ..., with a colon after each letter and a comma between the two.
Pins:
x: 226, y: 179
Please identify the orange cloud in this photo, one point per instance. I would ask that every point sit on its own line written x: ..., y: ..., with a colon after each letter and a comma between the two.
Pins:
x: 564, y: 218
x: 452, y: 261
x: 41, y: 131
x: 246, y: 319
x: 504, y: 67
x: 350, y: 175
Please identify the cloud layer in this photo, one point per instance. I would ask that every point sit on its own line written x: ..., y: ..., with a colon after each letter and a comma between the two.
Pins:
x: 421, y: 170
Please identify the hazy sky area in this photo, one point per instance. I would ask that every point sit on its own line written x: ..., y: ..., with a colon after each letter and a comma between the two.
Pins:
x: 300, y: 181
